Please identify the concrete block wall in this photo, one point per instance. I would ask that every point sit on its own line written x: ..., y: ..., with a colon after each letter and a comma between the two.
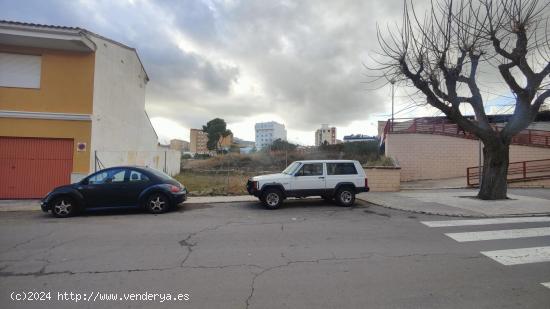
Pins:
x: 541, y: 183
x: 383, y: 179
x: 427, y: 156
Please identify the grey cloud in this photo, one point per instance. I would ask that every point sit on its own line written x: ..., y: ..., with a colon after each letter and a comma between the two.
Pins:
x: 306, y: 55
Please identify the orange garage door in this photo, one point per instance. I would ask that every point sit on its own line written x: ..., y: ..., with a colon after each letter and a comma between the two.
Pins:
x: 31, y: 167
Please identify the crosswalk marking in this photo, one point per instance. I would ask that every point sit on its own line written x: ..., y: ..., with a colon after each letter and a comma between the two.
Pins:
x: 505, y: 257
x: 500, y: 234
x: 520, y: 256
x: 449, y: 223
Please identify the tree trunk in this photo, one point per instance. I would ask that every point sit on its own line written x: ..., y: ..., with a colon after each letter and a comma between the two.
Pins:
x: 495, y: 169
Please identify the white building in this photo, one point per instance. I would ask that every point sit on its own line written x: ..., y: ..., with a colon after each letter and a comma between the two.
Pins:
x: 267, y: 132
x: 325, y: 135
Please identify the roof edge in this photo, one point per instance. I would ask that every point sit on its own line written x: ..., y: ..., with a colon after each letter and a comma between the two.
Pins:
x: 54, y: 29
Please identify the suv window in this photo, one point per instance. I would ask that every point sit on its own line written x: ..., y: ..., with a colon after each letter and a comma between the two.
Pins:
x: 314, y: 169
x: 341, y: 169
x: 110, y: 176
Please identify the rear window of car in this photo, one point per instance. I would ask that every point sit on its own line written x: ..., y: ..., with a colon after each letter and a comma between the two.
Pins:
x: 159, y: 174
x: 341, y: 169
x: 136, y: 176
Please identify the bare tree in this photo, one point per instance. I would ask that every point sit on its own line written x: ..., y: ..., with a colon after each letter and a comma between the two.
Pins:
x: 441, y: 52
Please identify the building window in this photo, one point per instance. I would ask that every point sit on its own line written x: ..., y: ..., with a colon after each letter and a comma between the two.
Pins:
x: 20, y: 71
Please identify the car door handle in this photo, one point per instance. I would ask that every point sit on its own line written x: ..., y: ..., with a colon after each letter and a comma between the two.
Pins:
x: 321, y: 177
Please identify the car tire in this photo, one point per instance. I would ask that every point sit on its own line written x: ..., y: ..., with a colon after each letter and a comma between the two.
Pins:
x: 157, y: 203
x: 272, y: 198
x: 64, y: 206
x: 345, y: 196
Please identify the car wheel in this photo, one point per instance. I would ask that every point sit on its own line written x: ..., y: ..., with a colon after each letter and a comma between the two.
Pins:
x: 272, y: 198
x: 157, y: 203
x: 345, y: 196
x: 63, y: 207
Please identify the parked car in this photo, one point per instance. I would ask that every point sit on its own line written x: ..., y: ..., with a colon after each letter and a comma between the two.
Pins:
x: 123, y: 186
x: 336, y: 180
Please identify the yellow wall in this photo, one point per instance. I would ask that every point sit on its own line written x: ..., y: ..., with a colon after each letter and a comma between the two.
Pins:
x: 66, y: 83
x: 79, y: 131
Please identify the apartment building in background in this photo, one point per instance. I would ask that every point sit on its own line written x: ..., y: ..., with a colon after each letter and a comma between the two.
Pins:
x: 325, y: 135
x: 267, y: 132
x: 179, y: 145
x: 226, y: 142
x: 198, y: 140
x: 67, y: 97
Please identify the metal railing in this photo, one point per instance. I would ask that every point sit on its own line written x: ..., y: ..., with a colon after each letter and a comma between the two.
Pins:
x: 443, y: 126
x: 517, y: 171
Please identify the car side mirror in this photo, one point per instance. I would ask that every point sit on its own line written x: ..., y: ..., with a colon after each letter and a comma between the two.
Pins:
x: 84, y: 182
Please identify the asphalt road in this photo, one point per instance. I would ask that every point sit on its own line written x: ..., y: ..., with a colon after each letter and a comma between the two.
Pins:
x: 308, y: 254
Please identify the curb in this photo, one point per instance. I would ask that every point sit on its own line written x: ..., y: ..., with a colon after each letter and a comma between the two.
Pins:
x: 442, y: 188
x: 431, y: 213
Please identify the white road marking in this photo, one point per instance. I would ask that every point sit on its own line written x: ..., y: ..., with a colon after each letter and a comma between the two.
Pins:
x: 520, y: 256
x: 546, y: 284
x: 485, y: 221
x: 500, y: 234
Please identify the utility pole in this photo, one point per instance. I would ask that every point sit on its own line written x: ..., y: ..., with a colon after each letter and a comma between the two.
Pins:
x: 392, y: 82
x: 286, y: 154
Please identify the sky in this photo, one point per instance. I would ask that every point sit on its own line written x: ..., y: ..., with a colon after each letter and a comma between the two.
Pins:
x: 301, y: 63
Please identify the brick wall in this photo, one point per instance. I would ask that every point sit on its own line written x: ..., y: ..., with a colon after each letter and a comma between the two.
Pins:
x: 383, y: 179
x: 427, y: 156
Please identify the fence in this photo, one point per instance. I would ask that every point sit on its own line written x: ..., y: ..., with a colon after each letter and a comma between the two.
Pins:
x: 517, y: 171
x: 168, y: 161
x: 443, y: 126
x: 219, y: 181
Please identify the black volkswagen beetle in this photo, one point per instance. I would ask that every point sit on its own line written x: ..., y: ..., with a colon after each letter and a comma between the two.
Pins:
x: 122, y: 186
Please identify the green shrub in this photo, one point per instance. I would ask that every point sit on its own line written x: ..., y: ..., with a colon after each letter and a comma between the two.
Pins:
x: 382, y: 161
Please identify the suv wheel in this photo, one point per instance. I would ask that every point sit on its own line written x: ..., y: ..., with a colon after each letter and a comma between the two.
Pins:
x: 157, y: 203
x: 272, y: 198
x: 345, y: 196
x: 63, y: 207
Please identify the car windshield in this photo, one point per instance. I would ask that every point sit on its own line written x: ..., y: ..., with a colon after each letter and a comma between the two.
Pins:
x: 291, y: 168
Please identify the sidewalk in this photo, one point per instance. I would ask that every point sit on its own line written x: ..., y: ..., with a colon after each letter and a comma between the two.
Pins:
x: 435, y: 184
x: 462, y: 202
x: 446, y: 202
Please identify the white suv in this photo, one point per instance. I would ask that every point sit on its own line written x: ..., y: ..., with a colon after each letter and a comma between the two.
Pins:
x: 330, y: 179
